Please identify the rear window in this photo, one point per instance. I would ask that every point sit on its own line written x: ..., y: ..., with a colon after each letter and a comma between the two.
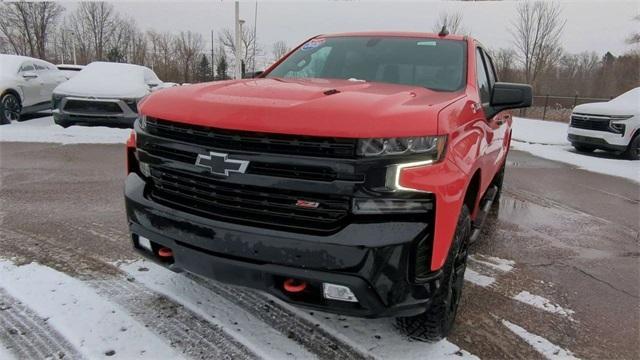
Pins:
x: 437, y: 64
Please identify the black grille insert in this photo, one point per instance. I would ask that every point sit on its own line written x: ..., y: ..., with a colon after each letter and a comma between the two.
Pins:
x: 92, y: 107
x: 247, y: 204
x: 253, y: 141
x: 318, y: 173
x: 587, y: 123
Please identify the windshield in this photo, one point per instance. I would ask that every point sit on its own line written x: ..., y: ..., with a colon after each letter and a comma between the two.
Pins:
x: 436, y: 64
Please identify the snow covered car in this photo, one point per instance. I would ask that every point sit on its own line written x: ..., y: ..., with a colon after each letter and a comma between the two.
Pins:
x: 26, y: 85
x: 613, y: 125
x: 70, y: 70
x: 103, y: 94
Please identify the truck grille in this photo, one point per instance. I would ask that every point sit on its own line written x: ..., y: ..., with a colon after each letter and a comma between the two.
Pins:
x: 253, y: 141
x: 590, y: 123
x: 316, y: 173
x: 92, y: 107
x: 245, y: 204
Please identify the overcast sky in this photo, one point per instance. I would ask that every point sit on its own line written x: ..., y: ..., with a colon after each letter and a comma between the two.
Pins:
x: 591, y: 25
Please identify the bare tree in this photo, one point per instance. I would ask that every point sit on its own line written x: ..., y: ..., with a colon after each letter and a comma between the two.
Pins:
x: 536, y: 35
x: 28, y: 25
x: 279, y: 50
x: 452, y: 21
x: 248, y: 44
x: 505, y: 63
x: 98, y: 22
x: 188, y: 46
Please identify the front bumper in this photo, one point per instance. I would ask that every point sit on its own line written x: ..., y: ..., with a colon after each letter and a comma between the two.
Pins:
x: 121, y: 116
x: 373, y: 259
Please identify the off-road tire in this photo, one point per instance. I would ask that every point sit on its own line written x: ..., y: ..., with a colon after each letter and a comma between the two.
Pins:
x: 438, y: 320
x: 9, y: 98
x: 633, y: 150
x: 584, y: 148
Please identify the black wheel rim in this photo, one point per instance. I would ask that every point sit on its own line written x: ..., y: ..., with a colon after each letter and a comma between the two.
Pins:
x: 457, y: 279
x: 11, y: 108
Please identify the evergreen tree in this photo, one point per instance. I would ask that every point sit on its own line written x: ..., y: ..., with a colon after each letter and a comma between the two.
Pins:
x: 222, y: 66
x: 203, y: 71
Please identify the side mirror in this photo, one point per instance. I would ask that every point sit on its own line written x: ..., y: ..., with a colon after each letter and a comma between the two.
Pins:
x: 510, y: 96
x: 252, y: 74
x: 29, y: 75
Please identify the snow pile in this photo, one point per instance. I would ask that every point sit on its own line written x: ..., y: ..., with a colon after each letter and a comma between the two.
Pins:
x: 542, y: 303
x: 547, y: 139
x: 476, y: 278
x: 45, y: 130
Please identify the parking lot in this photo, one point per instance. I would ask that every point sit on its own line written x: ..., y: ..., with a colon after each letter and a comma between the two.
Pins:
x: 554, y: 274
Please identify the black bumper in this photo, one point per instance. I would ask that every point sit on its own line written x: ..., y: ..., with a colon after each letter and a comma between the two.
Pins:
x: 66, y: 120
x: 594, y: 142
x: 374, y: 260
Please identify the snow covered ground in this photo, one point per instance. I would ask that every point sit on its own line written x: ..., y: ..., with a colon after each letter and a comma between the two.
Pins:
x: 45, y: 130
x: 548, y: 139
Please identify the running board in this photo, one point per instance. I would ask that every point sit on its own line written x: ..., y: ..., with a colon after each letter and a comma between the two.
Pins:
x: 485, y: 207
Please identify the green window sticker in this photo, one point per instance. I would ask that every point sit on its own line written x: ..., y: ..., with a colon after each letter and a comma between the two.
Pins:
x: 426, y: 43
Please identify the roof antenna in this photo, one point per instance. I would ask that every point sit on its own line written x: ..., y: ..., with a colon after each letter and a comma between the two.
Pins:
x: 443, y: 31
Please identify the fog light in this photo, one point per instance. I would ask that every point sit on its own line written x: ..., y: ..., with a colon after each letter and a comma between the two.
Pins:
x: 338, y: 292
x: 144, y: 243
x: 382, y: 206
x: 145, y: 170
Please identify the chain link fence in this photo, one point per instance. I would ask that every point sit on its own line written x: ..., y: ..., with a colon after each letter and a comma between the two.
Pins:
x: 555, y: 107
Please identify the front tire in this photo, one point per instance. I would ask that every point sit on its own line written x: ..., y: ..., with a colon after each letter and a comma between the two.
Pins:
x: 633, y: 150
x: 10, y: 109
x: 436, y: 323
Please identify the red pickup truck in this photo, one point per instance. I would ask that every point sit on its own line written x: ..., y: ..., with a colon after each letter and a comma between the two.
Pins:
x: 351, y: 176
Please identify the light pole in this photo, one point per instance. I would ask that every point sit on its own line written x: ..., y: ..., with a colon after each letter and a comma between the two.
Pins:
x: 73, y: 44
x: 238, y: 25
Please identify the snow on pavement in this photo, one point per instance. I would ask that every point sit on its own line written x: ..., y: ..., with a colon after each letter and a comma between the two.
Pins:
x: 542, y: 303
x: 5, y: 354
x: 255, y: 335
x: 92, y: 325
x: 548, y: 139
x: 45, y: 130
x: 540, y: 344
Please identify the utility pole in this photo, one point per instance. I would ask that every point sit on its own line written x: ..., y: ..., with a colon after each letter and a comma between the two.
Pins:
x: 238, y: 55
x: 73, y: 44
x: 255, y: 26
x: 213, y: 60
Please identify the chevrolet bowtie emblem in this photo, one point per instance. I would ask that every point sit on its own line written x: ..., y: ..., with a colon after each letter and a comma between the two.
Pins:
x: 220, y: 164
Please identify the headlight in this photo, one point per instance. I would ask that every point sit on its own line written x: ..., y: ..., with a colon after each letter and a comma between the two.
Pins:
x: 431, y: 146
x: 142, y: 121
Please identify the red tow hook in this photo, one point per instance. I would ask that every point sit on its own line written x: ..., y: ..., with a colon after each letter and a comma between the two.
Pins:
x: 165, y: 253
x: 294, y: 285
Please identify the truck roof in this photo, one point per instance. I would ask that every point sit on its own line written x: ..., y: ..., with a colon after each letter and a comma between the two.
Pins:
x: 396, y: 34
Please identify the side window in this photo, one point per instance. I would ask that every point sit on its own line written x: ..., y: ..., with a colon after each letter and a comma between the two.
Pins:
x: 40, y: 67
x: 482, y: 78
x: 26, y: 67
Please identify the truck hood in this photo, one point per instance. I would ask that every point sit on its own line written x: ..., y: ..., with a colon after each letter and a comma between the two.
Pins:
x: 315, y: 107
x: 625, y: 104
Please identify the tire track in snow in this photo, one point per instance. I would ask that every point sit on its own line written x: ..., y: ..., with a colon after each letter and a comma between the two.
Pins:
x: 311, y: 336
x: 168, y: 321
x: 185, y: 330
x: 27, y: 335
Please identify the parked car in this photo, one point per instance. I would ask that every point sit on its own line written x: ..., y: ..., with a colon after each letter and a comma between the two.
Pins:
x: 349, y: 177
x: 103, y: 94
x: 26, y: 85
x: 70, y: 70
x: 613, y: 125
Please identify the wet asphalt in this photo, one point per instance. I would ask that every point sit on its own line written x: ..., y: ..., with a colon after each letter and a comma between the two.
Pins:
x: 572, y: 236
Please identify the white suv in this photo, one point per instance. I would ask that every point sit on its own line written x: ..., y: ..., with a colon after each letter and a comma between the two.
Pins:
x: 613, y: 125
x: 26, y: 85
